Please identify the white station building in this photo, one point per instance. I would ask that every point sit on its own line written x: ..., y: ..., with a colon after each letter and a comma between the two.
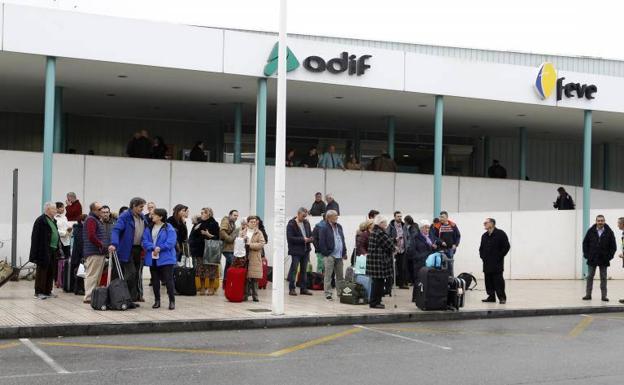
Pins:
x: 76, y: 87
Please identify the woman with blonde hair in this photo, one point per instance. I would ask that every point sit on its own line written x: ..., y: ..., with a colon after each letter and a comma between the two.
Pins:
x: 255, y: 242
x: 206, y: 263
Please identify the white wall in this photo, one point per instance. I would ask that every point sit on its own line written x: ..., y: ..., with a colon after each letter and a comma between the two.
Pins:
x: 545, y: 244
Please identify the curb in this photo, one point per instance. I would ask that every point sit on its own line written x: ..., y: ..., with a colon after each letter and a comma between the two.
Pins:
x: 142, y: 327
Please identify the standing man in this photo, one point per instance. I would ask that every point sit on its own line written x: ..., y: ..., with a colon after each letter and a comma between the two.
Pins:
x: 45, y: 246
x: 398, y: 231
x: 621, y: 254
x: 448, y: 232
x: 73, y: 208
x: 331, y: 159
x: 332, y: 204
x: 299, y: 236
x: 564, y: 200
x: 126, y: 240
x: 227, y: 234
x: 598, y: 249
x: 318, y: 206
x: 334, y: 250
x: 497, y: 171
x: 372, y: 214
x: 93, y: 249
x: 64, y: 229
x: 151, y: 206
x: 494, y: 247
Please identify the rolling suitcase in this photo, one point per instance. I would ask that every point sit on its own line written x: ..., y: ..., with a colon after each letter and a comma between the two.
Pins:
x: 431, y: 290
x: 118, y: 294
x: 68, y: 276
x: 235, y: 284
x: 366, y: 282
x: 99, y: 295
x: 184, y: 278
x: 316, y: 281
x: 264, y: 281
x: 456, y: 292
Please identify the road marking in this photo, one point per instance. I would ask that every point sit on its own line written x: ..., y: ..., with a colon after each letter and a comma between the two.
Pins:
x: 7, y: 346
x: 153, y: 349
x: 314, y: 342
x: 404, y: 338
x: 581, y: 326
x: 463, y: 332
x: 46, y: 358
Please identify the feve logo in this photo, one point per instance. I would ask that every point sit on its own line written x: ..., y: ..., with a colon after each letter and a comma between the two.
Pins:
x: 547, y: 81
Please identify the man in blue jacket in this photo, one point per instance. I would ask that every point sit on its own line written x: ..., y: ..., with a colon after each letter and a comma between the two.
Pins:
x: 126, y: 239
x: 334, y: 250
x: 299, y: 237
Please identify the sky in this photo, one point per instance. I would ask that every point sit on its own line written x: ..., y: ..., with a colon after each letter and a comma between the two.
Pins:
x: 570, y: 27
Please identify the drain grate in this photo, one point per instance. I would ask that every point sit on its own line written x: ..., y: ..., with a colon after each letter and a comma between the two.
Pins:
x: 260, y: 310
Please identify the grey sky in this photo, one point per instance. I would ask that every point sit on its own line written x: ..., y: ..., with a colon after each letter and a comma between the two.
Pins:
x: 570, y: 27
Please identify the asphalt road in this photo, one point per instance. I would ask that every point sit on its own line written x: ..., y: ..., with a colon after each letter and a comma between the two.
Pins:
x: 547, y: 350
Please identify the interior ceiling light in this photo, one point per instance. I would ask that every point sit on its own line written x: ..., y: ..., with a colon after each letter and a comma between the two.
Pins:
x: 213, y: 104
x: 422, y: 105
x: 338, y: 97
x: 110, y: 95
x: 598, y: 122
x: 236, y: 87
x: 122, y: 76
x: 406, y: 155
x: 520, y: 115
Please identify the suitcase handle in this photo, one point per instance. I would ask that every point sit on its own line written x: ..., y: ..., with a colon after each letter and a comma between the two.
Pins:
x: 113, y: 256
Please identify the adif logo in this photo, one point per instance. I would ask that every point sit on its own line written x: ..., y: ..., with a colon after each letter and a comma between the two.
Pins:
x: 292, y: 63
x: 547, y: 81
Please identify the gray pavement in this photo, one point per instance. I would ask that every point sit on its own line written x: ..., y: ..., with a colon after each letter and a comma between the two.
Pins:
x: 575, y: 349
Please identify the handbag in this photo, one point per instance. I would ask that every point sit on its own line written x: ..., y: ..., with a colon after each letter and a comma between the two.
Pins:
x: 82, y: 272
x: 212, y: 252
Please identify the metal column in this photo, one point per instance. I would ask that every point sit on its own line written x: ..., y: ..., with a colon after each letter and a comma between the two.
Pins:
x: 391, y: 135
x: 238, y: 131
x: 523, y: 152
x: 59, y: 129
x: 48, y: 129
x: 587, y: 147
x: 261, y: 113
x: 437, y: 156
x: 14, y: 220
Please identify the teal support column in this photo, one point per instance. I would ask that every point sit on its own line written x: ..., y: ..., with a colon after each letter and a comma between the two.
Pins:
x: 437, y: 155
x: 48, y: 129
x: 59, y: 132
x: 587, y: 147
x: 391, y: 135
x: 606, y: 169
x: 261, y: 113
x: 523, y: 152
x: 238, y: 131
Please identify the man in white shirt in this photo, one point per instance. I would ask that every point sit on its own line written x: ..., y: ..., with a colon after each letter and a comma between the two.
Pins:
x: 64, y: 228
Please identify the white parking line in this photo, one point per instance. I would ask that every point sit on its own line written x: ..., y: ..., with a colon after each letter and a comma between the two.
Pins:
x: 47, y: 359
x: 404, y: 338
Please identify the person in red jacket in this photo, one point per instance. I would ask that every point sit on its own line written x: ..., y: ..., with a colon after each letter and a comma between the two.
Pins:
x: 73, y: 208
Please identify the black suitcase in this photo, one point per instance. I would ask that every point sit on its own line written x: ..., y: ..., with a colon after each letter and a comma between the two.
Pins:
x: 351, y: 293
x: 118, y: 293
x: 99, y: 298
x: 68, y: 279
x: 184, y: 278
x: 456, y: 293
x: 431, y: 290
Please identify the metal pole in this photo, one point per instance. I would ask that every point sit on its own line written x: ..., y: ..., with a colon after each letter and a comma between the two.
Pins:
x: 523, y: 152
x: 14, y: 221
x: 261, y: 107
x: 279, y: 214
x: 391, y: 135
x: 58, y: 120
x: 48, y: 129
x: 238, y: 129
x: 437, y: 156
x: 587, y: 145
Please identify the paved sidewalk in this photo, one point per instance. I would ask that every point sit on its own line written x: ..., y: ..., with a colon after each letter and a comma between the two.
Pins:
x: 23, y: 316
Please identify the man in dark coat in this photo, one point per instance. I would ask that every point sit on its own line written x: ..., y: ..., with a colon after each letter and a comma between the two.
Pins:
x: 332, y: 204
x: 299, y: 236
x: 318, y: 206
x: 564, y: 200
x: 143, y: 146
x: 45, y: 246
x: 598, y: 249
x: 332, y: 245
x: 494, y: 247
x: 497, y: 171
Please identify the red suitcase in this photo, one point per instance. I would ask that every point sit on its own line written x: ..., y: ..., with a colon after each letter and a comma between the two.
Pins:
x: 235, y: 284
x: 263, y: 282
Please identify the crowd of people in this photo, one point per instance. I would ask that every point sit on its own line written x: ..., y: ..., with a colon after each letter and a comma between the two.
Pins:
x: 141, y: 234
x: 330, y: 159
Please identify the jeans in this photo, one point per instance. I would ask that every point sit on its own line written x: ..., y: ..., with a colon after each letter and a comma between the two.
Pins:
x: 495, y: 284
x: 300, y: 261
x: 229, y: 258
x: 163, y: 274
x: 332, y: 265
x: 450, y: 253
x: 591, y: 271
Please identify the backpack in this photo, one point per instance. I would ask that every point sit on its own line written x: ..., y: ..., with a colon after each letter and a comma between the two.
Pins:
x: 469, y: 279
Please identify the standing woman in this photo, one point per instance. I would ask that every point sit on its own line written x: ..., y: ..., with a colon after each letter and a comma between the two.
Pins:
x: 178, y: 221
x: 255, y: 244
x: 379, y: 260
x: 159, y: 148
x: 206, y: 229
x: 361, y: 239
x: 159, y: 242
